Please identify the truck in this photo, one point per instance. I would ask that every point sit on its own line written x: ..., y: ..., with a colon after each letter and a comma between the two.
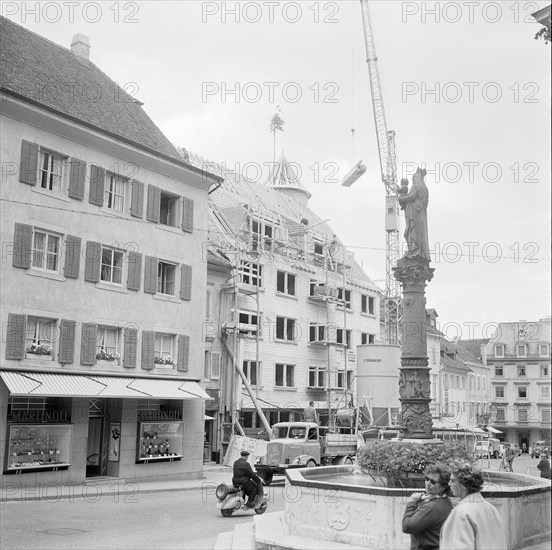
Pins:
x: 488, y: 448
x: 304, y: 445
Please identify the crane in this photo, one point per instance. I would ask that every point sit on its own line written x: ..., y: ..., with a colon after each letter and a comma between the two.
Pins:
x: 388, y: 165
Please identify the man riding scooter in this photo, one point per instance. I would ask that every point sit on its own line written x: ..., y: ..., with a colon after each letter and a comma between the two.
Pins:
x: 245, y: 477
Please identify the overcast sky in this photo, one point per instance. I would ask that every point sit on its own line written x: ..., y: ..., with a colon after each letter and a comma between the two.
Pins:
x: 466, y: 90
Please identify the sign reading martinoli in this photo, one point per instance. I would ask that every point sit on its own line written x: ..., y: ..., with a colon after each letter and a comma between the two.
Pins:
x: 39, y: 417
x: 159, y: 416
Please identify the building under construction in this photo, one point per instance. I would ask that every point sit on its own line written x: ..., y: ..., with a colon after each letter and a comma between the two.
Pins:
x: 286, y: 307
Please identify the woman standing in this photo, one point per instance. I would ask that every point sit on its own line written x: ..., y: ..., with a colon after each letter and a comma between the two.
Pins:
x: 426, y: 512
x: 544, y: 466
x: 474, y: 524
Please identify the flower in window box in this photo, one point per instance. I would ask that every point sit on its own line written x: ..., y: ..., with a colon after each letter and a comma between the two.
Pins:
x: 105, y: 356
x: 164, y: 360
x: 40, y: 349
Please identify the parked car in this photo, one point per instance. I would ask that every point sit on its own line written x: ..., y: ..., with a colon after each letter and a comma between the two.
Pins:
x: 490, y: 448
x: 539, y: 447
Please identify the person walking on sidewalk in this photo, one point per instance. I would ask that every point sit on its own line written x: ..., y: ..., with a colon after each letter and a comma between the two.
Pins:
x: 474, y: 524
x: 544, y: 466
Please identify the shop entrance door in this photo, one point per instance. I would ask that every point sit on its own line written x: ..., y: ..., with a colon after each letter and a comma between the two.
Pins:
x: 95, y: 450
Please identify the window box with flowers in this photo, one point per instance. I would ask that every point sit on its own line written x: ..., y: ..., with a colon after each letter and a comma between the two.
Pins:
x: 43, y: 350
x: 402, y: 464
x: 164, y: 362
x: 107, y: 356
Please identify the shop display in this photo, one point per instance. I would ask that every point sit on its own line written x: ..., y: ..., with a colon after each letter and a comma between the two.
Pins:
x: 39, y: 446
x: 159, y: 441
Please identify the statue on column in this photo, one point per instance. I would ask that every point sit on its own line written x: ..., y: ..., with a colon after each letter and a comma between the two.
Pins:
x: 414, y: 203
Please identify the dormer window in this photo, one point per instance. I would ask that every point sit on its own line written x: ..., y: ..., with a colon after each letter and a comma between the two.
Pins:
x: 521, y: 350
x: 499, y: 350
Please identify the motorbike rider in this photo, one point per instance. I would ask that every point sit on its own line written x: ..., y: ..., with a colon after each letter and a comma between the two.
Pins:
x: 245, y: 477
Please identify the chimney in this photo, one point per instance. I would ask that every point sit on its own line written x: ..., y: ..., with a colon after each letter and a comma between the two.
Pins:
x: 80, y: 46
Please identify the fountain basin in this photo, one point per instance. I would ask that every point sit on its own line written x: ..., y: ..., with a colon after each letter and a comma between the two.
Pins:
x: 336, y: 504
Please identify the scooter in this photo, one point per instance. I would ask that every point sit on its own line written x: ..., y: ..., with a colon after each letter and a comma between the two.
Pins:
x: 233, y: 498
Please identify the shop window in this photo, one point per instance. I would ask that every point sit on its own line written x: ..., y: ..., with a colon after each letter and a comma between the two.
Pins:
x: 159, y: 441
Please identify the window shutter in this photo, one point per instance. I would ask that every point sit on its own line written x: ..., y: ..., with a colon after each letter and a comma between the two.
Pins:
x: 15, y: 336
x: 22, y: 245
x: 93, y: 261
x: 66, y: 351
x: 137, y: 202
x: 150, y: 275
x: 134, y: 270
x: 208, y: 305
x: 154, y: 203
x: 183, y: 353
x: 186, y: 282
x: 77, y: 179
x: 148, y: 349
x: 215, y: 364
x: 97, y: 182
x: 130, y: 348
x: 28, y: 166
x: 187, y: 215
x: 88, y: 343
x: 72, y: 257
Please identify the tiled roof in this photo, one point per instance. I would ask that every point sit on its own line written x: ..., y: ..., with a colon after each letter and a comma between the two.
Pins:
x: 455, y: 364
x: 38, y: 71
x: 472, y: 348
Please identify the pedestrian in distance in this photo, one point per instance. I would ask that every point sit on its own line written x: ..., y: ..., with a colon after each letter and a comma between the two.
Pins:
x: 507, y: 464
x: 544, y: 466
x: 474, y: 524
x: 310, y: 413
x: 245, y: 477
x: 426, y: 512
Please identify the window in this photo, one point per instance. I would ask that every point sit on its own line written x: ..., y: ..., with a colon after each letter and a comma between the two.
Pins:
x: 471, y: 382
x: 499, y: 370
x: 522, y: 414
x: 317, y: 332
x: 107, y: 348
x: 165, y: 278
x: 341, y: 379
x: 164, y: 349
x: 521, y: 350
x: 544, y: 350
x: 522, y: 392
x: 545, y: 415
x: 207, y: 364
x: 344, y: 296
x: 484, y: 379
x: 114, y: 192
x: 285, y: 283
x: 50, y: 171
x: 478, y: 382
x: 445, y: 381
x: 544, y: 370
x: 285, y: 328
x: 318, y: 249
x: 452, y: 383
x: 46, y: 250
x: 112, y: 266
x: 521, y: 370
x: 248, y: 323
x: 367, y: 338
x: 215, y: 365
x: 348, y: 337
x: 317, y: 377
x: 499, y: 350
x: 499, y: 392
x: 367, y: 304
x: 168, y: 209
x: 463, y: 382
x: 500, y: 414
x: 40, y: 337
x: 262, y: 233
x: 285, y: 376
x: 251, y: 372
x: 545, y: 392
x: 250, y: 273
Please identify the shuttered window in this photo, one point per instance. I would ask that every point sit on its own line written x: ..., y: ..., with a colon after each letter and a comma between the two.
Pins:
x: 28, y: 166
x: 148, y: 349
x: 215, y: 364
x: 22, y: 246
x: 134, y: 278
x: 93, y: 262
x: 130, y: 350
x: 97, y: 184
x: 137, y: 201
x: 15, y: 336
x: 187, y: 214
x: 88, y: 343
x: 154, y: 204
x: 150, y: 275
x: 183, y: 353
x: 186, y: 282
x: 72, y: 257
x: 77, y: 177
x: 66, y: 351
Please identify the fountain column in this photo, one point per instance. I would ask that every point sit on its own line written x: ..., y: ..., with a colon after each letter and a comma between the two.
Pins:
x: 413, y: 272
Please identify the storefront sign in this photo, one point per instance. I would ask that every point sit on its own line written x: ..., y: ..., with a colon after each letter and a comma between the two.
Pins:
x: 35, y: 417
x: 158, y: 416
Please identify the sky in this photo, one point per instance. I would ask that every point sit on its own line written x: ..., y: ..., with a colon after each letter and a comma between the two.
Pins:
x: 466, y: 89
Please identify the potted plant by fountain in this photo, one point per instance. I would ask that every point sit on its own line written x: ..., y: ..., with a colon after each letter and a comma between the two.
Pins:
x: 402, y: 464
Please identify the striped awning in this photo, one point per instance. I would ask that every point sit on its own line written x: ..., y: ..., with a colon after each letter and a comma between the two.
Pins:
x: 78, y: 385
